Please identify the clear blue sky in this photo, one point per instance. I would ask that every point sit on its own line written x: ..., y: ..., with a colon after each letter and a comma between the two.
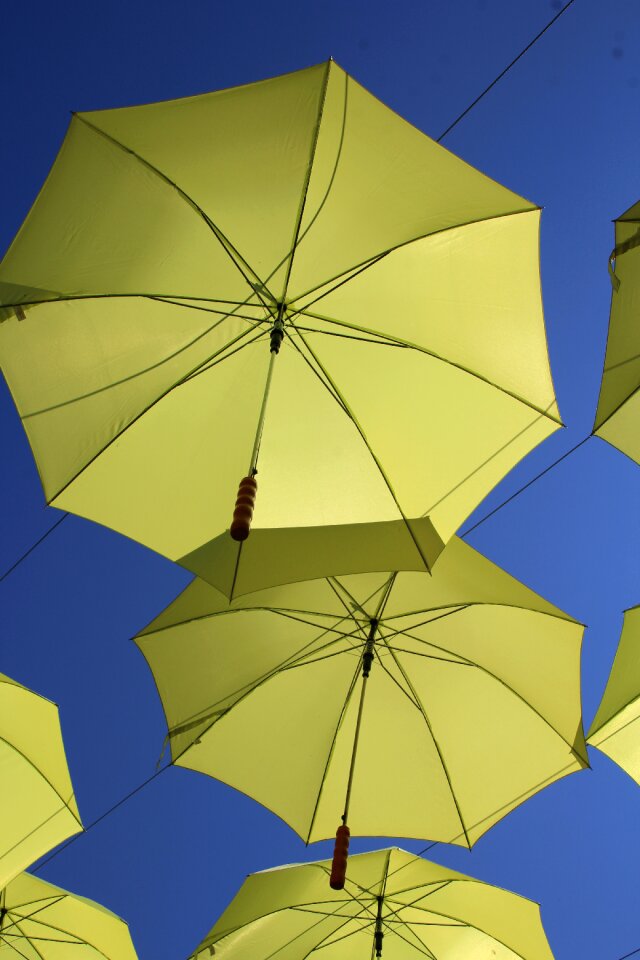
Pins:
x: 562, y: 129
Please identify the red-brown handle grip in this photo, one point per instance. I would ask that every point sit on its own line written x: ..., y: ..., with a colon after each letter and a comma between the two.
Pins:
x: 340, y: 856
x: 243, y: 513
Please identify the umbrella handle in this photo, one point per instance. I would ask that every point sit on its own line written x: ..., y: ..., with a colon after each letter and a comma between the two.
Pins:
x: 243, y: 513
x: 340, y: 856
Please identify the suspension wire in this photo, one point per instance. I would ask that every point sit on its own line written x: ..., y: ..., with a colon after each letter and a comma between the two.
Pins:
x: 33, y: 547
x: 102, y: 816
x: 528, y: 484
x: 632, y: 954
x: 505, y: 71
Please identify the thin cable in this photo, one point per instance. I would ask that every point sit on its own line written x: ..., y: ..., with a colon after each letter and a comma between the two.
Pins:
x: 632, y: 954
x: 501, y: 75
x: 529, y: 483
x: 33, y: 547
x: 100, y: 818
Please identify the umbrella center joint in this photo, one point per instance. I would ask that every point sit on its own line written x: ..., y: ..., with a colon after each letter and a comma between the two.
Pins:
x: 276, y: 336
x: 367, y: 656
x: 379, y: 935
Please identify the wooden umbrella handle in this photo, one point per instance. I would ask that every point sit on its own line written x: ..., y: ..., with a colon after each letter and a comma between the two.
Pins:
x: 340, y: 856
x: 243, y: 513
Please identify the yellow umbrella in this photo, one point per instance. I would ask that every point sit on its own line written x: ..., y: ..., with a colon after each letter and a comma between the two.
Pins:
x: 37, y: 805
x: 41, y: 922
x: 618, y: 413
x: 287, y: 269
x: 615, y: 729
x: 472, y: 685
x: 394, y: 904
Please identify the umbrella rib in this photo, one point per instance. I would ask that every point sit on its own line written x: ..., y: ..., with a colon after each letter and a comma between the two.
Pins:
x: 494, y: 676
x: 248, y: 688
x: 137, y: 417
x: 35, y: 829
x: 408, y: 344
x: 381, y: 341
x: 366, y: 922
x: 190, y: 303
x: 335, y: 165
x: 301, y: 236
x: 351, y: 416
x: 169, y: 297
x: 283, y: 611
x: 391, y: 898
x: 336, y: 582
x: 326, y: 916
x: 65, y: 803
x: 406, y: 693
x: 614, y: 411
x: 435, y: 742
x: 614, y: 732
x: 29, y: 941
x: 491, y: 457
x: 12, y: 946
x: 234, y: 255
x: 357, y: 268
x: 155, y: 366
x: 328, y: 386
x: 473, y: 926
x: 241, y: 693
x: 305, y: 190
x: 313, y: 865
x: 448, y: 611
x: 621, y: 363
x: 347, y: 700
x: 423, y: 949
x: 82, y: 941
x: 214, y: 361
x: 48, y: 902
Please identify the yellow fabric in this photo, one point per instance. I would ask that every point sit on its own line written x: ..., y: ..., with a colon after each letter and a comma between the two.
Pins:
x: 615, y: 729
x: 472, y: 705
x: 37, y: 805
x: 136, y: 303
x: 427, y: 910
x: 618, y: 413
x: 290, y: 554
x: 43, y: 922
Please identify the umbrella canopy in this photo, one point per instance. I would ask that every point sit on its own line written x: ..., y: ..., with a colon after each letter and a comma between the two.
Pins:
x: 37, y: 805
x: 394, y: 904
x: 41, y: 922
x: 472, y: 703
x: 618, y: 413
x: 285, y: 268
x: 615, y: 728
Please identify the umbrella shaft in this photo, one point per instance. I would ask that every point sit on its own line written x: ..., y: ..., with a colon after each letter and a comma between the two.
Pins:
x: 355, y: 750
x: 276, y: 336
x: 367, y: 659
x: 253, y: 466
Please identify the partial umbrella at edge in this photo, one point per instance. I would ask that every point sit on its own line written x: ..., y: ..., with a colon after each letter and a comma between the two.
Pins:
x: 395, y: 905
x: 41, y: 922
x: 618, y: 413
x: 472, y: 700
x: 38, y: 808
x: 615, y: 729
x: 284, y: 277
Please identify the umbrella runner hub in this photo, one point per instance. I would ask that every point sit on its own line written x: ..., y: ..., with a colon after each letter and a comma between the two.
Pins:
x: 343, y: 834
x: 378, y: 935
x: 367, y: 656
x: 248, y: 488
